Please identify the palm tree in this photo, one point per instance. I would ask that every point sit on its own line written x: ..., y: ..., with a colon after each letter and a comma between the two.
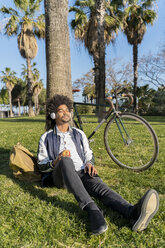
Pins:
x: 137, y: 15
x: 24, y: 23
x: 96, y: 24
x: 36, y: 92
x: 37, y: 83
x: 4, y: 96
x: 19, y: 93
x: 89, y: 92
x: 57, y: 48
x: 145, y: 96
x: 9, y: 78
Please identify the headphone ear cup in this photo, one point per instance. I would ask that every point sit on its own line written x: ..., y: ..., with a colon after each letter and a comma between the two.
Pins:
x: 53, y: 116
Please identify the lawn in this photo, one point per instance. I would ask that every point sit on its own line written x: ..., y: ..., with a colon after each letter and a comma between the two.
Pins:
x: 32, y: 216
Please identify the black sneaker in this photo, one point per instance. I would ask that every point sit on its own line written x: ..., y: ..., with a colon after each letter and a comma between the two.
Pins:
x: 97, y: 222
x: 144, y: 210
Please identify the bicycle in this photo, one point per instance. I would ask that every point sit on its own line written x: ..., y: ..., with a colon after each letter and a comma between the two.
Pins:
x: 129, y: 139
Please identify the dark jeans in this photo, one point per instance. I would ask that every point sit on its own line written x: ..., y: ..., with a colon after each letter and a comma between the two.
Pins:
x: 83, y: 186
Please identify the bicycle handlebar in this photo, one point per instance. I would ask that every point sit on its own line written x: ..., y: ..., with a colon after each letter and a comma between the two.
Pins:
x: 130, y: 97
x: 109, y: 100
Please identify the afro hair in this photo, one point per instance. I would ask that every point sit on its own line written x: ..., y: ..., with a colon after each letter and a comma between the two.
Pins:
x: 52, y: 105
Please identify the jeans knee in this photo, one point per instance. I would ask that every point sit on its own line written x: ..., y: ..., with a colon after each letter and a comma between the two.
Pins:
x: 66, y: 162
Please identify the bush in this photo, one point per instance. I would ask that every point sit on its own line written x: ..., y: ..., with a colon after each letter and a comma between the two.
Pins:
x: 85, y: 109
x: 156, y: 111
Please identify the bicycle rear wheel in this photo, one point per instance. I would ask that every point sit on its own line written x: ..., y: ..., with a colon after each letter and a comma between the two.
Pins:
x: 131, y: 142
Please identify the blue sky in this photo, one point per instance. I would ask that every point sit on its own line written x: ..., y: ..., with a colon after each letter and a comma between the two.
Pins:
x: 81, y: 62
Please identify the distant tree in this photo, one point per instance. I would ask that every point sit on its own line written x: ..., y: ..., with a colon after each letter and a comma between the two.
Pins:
x: 152, y: 69
x: 138, y: 14
x: 145, y: 96
x: 4, y: 96
x: 89, y: 92
x: 42, y: 100
x: 36, y: 92
x: 57, y: 48
x: 19, y: 93
x: 158, y: 103
x: 118, y: 78
x: 86, y: 83
x: 8, y: 77
x: 88, y: 78
x: 24, y: 23
x: 37, y: 84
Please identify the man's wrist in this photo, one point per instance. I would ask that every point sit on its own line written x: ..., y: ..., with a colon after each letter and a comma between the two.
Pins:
x: 89, y: 162
x: 52, y: 163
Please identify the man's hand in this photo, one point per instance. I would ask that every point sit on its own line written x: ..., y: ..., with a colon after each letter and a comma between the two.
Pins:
x: 65, y: 153
x: 90, y: 169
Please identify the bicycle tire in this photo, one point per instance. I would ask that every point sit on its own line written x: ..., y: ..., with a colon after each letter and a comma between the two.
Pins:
x: 142, y: 147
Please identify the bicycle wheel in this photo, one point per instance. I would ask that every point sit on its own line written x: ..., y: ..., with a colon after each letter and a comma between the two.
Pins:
x: 131, y: 142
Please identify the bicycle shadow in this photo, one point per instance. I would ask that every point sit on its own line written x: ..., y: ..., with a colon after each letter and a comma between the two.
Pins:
x: 36, y: 190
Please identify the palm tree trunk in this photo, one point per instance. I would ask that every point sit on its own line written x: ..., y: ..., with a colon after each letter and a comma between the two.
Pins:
x: 100, y: 84
x: 96, y: 79
x: 135, y: 67
x: 36, y: 104
x: 30, y: 87
x: 57, y: 48
x: 10, y: 103
x: 19, y: 107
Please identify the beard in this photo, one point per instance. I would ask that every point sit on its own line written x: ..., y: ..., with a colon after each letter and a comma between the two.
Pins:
x: 66, y: 120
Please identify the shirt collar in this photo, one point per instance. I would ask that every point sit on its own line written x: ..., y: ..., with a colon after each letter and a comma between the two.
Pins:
x: 58, y: 132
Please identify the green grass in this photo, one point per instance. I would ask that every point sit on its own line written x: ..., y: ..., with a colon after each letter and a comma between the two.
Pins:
x: 32, y: 216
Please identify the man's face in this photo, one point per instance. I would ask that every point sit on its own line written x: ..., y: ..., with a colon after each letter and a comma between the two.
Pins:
x: 63, y: 114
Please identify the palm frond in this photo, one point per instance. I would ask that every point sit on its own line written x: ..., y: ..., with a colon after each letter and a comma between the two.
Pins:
x: 8, y: 11
x: 12, y: 26
x: 149, y: 16
x: 39, y: 27
x: 34, y: 6
x: 22, y: 5
x: 148, y: 4
x: 85, y: 3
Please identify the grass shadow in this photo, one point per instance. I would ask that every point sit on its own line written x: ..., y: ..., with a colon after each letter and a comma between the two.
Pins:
x: 36, y: 190
x: 28, y: 119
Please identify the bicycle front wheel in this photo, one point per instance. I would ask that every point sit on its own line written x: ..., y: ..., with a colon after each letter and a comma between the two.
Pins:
x: 131, y: 142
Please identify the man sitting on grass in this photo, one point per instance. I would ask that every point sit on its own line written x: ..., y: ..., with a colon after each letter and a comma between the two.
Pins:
x: 66, y: 160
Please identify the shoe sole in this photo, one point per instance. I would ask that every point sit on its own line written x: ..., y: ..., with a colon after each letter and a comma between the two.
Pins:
x: 149, y: 209
x: 104, y: 229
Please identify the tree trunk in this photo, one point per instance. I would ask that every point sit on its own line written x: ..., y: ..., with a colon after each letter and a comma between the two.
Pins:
x: 57, y: 48
x: 100, y: 83
x: 10, y: 103
x: 116, y: 97
x: 135, y: 67
x: 19, y: 107
x: 96, y: 79
x: 30, y: 87
x: 36, y: 104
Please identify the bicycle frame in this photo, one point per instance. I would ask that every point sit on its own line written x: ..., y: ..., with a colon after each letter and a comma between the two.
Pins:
x: 79, y: 119
x: 109, y: 113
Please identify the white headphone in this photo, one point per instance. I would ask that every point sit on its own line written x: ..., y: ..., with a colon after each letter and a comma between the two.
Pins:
x: 52, y: 116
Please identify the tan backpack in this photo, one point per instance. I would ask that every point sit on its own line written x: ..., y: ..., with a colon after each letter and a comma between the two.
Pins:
x: 24, y: 164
